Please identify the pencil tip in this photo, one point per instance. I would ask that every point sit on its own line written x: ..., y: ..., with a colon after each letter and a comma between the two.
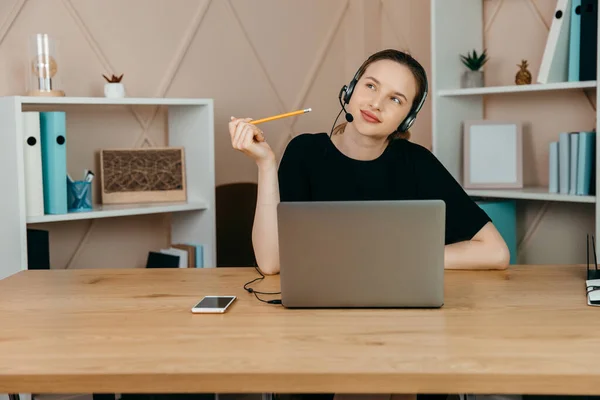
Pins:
x: 308, y: 109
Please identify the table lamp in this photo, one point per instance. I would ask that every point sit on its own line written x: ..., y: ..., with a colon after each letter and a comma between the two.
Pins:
x: 43, y: 71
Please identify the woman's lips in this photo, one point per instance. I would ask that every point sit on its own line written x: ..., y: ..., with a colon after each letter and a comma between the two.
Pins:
x: 369, y: 117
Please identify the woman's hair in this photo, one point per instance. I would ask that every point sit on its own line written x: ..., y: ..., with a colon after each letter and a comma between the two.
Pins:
x: 417, y: 71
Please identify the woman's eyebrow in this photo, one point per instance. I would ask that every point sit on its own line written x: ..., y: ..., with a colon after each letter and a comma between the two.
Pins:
x: 377, y: 82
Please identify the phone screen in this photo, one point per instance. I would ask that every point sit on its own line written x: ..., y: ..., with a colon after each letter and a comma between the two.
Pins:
x: 214, y: 302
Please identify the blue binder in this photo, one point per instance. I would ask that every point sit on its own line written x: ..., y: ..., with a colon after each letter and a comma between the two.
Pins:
x: 504, y: 216
x: 586, y: 163
x: 53, y: 135
x: 574, y: 39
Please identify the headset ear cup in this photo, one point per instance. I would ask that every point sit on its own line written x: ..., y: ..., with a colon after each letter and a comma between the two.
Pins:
x: 342, y: 94
x: 349, y: 91
x: 406, y: 124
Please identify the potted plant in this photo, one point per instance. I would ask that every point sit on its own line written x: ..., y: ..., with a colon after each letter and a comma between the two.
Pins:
x: 114, y: 87
x: 473, y: 76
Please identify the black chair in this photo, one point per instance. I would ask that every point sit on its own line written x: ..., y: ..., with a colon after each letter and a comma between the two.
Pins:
x: 235, y: 207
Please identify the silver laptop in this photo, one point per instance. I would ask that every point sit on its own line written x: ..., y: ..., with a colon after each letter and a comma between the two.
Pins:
x: 353, y: 254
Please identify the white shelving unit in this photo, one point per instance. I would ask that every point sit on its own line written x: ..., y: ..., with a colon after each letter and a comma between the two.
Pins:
x: 534, y: 87
x: 451, y: 104
x: 109, y: 211
x: 190, y: 125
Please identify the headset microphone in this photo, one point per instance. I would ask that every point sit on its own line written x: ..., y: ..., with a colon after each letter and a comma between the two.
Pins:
x: 349, y: 116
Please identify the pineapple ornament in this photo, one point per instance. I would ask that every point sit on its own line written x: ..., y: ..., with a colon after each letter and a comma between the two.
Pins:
x: 523, y: 76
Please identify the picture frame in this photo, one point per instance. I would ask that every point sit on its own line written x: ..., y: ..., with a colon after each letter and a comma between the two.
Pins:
x: 143, y: 175
x: 492, y: 154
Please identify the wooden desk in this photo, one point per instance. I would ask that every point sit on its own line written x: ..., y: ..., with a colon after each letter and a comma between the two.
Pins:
x: 81, y: 331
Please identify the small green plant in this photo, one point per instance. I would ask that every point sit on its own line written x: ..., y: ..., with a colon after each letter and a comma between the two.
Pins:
x: 473, y: 61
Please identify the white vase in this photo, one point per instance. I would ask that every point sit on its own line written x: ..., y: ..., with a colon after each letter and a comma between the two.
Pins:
x: 114, y: 90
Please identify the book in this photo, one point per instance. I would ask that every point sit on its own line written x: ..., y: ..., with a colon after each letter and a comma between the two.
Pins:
x: 573, y: 162
x: 182, y: 254
x: 38, y: 249
x: 191, y: 253
x: 564, y: 153
x: 586, y: 163
x: 162, y: 260
x: 553, y: 165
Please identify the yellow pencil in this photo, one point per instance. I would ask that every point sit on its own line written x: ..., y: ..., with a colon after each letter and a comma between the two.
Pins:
x: 290, y: 114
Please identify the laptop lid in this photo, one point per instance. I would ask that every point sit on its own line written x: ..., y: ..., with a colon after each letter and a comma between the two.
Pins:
x: 362, y: 253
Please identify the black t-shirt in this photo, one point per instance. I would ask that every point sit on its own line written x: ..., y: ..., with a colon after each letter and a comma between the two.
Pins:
x: 313, y: 169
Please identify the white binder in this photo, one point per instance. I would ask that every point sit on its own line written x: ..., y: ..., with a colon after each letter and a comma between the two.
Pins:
x: 32, y: 157
x: 555, y: 62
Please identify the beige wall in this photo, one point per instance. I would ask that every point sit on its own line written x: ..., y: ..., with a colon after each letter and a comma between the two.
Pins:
x: 257, y: 58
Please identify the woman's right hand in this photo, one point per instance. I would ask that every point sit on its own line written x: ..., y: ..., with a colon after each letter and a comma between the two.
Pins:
x: 249, y: 139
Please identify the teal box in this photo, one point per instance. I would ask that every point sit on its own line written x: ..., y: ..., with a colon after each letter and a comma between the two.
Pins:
x: 504, y: 216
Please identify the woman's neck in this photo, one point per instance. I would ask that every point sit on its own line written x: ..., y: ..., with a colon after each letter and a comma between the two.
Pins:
x: 358, y: 146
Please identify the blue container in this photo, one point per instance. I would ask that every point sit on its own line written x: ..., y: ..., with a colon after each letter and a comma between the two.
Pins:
x: 504, y: 216
x: 79, y: 196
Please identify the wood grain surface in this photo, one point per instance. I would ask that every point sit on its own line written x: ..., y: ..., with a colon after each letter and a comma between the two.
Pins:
x: 525, y: 330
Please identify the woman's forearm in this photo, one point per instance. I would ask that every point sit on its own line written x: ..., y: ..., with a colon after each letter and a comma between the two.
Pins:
x: 476, y: 254
x: 264, y: 231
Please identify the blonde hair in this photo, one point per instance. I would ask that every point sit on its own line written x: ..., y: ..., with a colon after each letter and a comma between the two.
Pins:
x: 418, y: 73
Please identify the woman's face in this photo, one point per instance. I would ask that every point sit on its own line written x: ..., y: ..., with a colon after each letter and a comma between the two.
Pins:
x: 382, y: 98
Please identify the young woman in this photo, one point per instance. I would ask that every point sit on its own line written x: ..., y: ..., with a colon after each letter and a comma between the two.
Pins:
x: 369, y: 157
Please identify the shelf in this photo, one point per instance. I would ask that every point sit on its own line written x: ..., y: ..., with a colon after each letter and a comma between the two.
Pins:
x: 119, y: 210
x: 537, y: 87
x: 151, y: 101
x: 531, y: 193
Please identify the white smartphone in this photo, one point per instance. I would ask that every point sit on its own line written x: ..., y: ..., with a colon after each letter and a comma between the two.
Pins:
x: 213, y: 304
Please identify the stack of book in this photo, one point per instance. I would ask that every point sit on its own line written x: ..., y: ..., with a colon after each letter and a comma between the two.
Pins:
x: 178, y: 255
x: 572, y: 164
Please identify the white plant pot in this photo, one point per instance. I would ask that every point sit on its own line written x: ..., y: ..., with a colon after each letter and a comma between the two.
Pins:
x: 114, y: 90
x: 472, y: 79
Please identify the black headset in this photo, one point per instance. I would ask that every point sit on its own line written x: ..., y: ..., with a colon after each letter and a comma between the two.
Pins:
x: 346, y: 94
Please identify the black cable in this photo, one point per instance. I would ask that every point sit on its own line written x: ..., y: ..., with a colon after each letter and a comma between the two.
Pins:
x: 275, y: 301
x: 256, y: 293
x: 333, y: 126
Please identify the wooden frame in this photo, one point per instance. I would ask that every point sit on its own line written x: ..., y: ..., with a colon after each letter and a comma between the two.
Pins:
x: 493, y: 154
x: 133, y: 175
